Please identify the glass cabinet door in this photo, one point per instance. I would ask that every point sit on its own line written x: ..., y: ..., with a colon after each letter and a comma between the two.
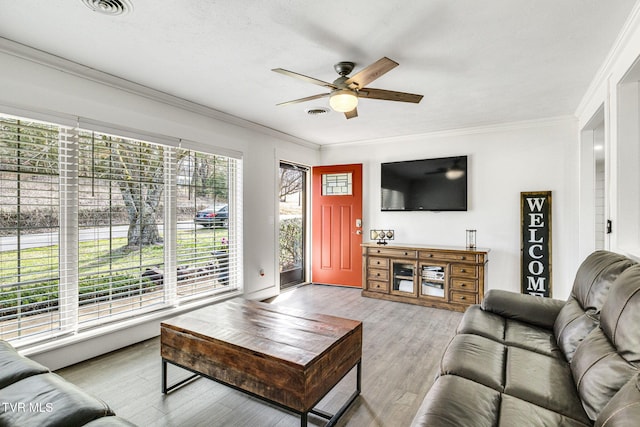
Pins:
x: 403, y: 277
x: 432, y: 281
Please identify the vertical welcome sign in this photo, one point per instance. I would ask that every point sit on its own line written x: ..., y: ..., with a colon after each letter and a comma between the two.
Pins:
x: 535, y: 209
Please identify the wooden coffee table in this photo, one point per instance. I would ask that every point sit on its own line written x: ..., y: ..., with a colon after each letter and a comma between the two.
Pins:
x: 290, y: 358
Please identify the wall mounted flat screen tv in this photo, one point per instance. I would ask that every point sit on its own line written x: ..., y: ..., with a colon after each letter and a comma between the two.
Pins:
x: 425, y: 185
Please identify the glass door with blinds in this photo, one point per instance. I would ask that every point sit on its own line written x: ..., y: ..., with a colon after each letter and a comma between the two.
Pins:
x: 293, y: 224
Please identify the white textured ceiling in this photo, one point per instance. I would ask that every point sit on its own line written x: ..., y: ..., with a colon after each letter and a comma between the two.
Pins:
x: 476, y: 62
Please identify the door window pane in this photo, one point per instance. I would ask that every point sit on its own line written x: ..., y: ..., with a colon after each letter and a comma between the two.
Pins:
x: 337, y: 184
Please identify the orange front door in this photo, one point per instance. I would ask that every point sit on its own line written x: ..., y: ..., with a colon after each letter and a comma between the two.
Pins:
x: 336, y: 225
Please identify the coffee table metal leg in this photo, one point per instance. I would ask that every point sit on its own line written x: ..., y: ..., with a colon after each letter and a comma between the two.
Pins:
x: 166, y: 389
x: 164, y: 376
x: 333, y: 418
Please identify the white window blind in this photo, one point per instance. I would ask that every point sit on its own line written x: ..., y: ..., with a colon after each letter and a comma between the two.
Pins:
x: 95, y: 227
x: 207, y: 246
x: 29, y: 228
x: 121, y: 185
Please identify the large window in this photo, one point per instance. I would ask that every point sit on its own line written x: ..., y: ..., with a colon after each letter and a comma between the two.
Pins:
x: 96, y: 228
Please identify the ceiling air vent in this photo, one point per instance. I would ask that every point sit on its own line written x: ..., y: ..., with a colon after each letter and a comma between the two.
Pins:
x: 109, y: 7
x: 317, y: 111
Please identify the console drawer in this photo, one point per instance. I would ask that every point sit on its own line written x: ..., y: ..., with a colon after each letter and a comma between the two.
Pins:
x: 376, y: 286
x: 375, y: 262
x: 448, y: 256
x: 463, y: 297
x: 396, y: 253
x: 464, y: 270
x: 464, y: 285
x: 377, y: 274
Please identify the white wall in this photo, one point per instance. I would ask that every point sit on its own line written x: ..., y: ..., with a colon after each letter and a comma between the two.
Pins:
x: 616, y: 91
x: 37, y: 82
x: 503, y: 161
x: 41, y: 88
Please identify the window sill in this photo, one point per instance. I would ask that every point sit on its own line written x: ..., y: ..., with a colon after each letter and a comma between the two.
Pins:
x: 67, y: 350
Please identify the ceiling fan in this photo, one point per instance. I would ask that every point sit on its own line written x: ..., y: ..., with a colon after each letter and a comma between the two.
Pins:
x: 346, y: 90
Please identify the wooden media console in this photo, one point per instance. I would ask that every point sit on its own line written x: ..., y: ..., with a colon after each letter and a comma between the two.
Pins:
x: 441, y: 277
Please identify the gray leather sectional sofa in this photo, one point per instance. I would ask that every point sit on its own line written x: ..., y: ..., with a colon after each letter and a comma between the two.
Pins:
x: 520, y: 360
x: 31, y: 395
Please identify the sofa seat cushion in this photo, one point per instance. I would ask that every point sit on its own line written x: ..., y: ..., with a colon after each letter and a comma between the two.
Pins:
x: 48, y: 400
x: 454, y: 401
x: 542, y: 380
x: 508, y: 331
x: 14, y: 367
x: 477, y: 358
x: 459, y: 402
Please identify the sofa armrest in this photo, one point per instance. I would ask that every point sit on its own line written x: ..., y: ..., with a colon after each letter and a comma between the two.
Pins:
x: 109, y: 421
x: 14, y: 367
x: 525, y: 308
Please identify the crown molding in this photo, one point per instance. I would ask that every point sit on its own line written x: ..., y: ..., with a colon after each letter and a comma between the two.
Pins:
x: 66, y: 66
x: 601, y: 78
x: 476, y: 130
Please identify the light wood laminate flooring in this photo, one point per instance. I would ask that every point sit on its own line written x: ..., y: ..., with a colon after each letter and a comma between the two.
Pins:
x: 401, y: 350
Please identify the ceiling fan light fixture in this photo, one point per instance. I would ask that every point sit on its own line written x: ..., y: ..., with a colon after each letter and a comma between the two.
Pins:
x: 343, y: 100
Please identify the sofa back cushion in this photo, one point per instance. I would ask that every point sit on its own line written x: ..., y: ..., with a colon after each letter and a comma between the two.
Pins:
x: 620, y: 317
x: 581, y: 313
x: 610, y: 355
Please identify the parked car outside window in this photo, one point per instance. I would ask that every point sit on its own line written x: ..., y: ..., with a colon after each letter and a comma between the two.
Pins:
x: 212, y: 217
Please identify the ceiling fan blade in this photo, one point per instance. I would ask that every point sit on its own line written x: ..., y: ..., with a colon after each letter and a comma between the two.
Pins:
x: 389, y: 95
x: 351, y: 114
x: 372, y: 72
x: 305, y: 78
x: 308, y: 98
